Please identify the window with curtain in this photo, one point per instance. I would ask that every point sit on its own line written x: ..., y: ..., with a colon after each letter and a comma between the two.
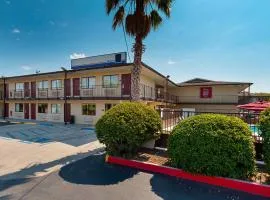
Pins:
x: 56, y: 108
x: 110, y: 81
x: 42, y: 108
x: 89, y: 109
x: 43, y: 85
x: 56, y: 84
x: 19, y: 86
x: 18, y: 107
x: 88, y: 82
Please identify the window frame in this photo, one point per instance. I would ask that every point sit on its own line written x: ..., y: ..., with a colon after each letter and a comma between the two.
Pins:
x: 21, y: 107
x: 45, y: 108
x: 58, y: 108
x: 19, y: 89
x: 57, y: 86
x: 110, y: 85
x: 87, y: 86
x: 207, y: 95
x: 88, y: 111
x: 43, y: 88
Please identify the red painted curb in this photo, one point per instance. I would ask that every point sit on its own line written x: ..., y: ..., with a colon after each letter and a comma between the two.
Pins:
x: 252, y: 188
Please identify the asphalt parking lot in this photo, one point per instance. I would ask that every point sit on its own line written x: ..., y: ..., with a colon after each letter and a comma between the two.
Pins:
x: 37, y: 149
x: 91, y: 178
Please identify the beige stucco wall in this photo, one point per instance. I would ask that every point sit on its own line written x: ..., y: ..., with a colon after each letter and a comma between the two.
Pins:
x: 76, y: 110
x: 221, y: 94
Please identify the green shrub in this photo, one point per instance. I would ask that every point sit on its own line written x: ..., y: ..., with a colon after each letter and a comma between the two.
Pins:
x: 214, y: 145
x: 125, y: 127
x: 264, y: 125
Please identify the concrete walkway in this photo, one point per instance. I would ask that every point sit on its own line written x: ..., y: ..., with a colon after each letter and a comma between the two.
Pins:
x: 29, y: 150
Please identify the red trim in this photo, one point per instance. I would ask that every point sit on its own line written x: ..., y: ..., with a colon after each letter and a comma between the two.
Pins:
x: 252, y: 188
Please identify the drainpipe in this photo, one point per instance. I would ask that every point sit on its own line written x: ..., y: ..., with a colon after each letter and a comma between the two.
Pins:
x: 65, y: 95
x: 4, y: 96
x: 166, y: 89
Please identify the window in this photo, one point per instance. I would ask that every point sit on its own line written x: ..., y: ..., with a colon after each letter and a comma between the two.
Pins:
x: 89, y: 109
x: 42, y: 108
x: 19, y: 86
x: 18, y: 107
x: 56, y: 108
x: 43, y: 85
x: 108, y: 106
x: 110, y: 81
x: 206, y: 92
x: 56, y: 84
x: 88, y: 82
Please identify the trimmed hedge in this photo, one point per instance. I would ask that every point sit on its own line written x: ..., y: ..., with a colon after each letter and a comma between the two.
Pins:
x: 214, y: 145
x: 125, y: 127
x: 264, y: 125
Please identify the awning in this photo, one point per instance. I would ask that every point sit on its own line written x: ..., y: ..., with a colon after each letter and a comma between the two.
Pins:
x: 255, y: 106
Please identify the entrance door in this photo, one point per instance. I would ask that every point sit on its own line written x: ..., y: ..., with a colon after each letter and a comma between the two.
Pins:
x: 33, y: 89
x: 6, y: 110
x: 67, y: 88
x: 26, y: 89
x: 26, y: 111
x: 6, y: 91
x: 67, y: 113
x: 76, y: 87
x: 126, y: 84
x: 33, y: 111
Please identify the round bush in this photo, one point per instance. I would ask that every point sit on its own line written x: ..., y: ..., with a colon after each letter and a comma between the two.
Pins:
x: 125, y: 127
x: 264, y: 125
x: 214, y: 145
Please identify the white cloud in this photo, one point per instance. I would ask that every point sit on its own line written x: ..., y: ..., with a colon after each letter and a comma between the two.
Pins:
x: 77, y: 55
x: 171, y: 62
x: 16, y: 31
x: 26, y: 68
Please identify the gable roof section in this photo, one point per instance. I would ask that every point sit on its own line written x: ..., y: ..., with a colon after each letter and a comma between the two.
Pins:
x: 206, y: 82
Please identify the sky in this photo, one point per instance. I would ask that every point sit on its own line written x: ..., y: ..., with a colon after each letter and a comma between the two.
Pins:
x: 225, y: 40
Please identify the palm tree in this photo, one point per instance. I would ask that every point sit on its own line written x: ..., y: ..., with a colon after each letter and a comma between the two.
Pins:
x: 138, y: 17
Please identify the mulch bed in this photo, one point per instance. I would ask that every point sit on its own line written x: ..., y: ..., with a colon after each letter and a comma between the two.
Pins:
x: 161, y: 158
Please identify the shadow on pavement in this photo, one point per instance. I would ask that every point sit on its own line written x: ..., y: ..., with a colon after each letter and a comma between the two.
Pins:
x: 25, y: 175
x: 170, y: 188
x: 93, y: 170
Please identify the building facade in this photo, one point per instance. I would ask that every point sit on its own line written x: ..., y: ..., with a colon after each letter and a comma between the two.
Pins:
x: 95, y: 84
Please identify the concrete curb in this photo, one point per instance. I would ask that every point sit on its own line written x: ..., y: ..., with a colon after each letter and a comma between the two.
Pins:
x: 248, y: 187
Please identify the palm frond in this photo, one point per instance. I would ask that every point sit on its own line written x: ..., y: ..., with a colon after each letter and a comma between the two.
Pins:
x: 164, y: 6
x: 110, y: 5
x: 155, y: 19
x: 118, y: 17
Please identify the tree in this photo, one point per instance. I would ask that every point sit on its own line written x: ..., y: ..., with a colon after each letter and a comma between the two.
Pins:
x: 138, y: 17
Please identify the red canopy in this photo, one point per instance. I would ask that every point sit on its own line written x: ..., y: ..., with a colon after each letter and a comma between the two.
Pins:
x: 255, y: 106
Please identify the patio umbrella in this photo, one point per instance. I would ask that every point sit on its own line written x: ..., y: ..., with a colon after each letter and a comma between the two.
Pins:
x: 255, y: 106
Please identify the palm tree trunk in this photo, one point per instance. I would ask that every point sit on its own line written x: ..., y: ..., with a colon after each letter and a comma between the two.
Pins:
x: 137, y: 68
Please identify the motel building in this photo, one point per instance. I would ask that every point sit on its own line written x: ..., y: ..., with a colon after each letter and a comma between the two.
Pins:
x: 95, y: 84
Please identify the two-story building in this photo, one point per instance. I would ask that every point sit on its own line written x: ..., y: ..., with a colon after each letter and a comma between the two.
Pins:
x: 95, y: 84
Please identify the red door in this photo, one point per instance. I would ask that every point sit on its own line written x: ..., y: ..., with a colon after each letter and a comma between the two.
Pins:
x: 76, y: 87
x: 33, y: 89
x: 67, y: 88
x: 33, y: 111
x: 126, y: 84
x: 6, y: 110
x: 26, y: 111
x: 26, y: 89
x: 67, y: 113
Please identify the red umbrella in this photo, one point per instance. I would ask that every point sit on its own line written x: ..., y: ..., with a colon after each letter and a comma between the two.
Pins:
x: 256, y: 106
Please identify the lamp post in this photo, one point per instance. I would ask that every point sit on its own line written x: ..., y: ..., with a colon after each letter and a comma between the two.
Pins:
x: 65, y: 95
